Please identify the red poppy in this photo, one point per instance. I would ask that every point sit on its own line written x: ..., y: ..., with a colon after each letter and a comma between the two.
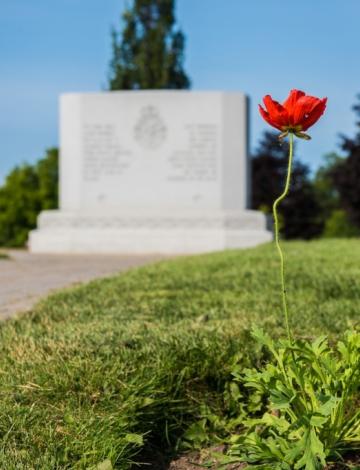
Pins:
x: 295, y: 115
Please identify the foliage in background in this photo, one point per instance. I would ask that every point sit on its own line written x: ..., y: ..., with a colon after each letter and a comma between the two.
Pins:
x: 28, y: 189
x: 149, y: 52
x: 339, y: 226
x: 337, y: 223
x: 346, y: 174
x: 300, y: 213
x: 124, y: 365
x: 326, y: 193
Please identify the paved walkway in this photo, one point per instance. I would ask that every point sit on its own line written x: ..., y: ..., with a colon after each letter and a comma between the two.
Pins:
x: 25, y: 277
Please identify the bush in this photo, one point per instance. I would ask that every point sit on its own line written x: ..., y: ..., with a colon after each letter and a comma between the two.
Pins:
x: 338, y: 225
x: 346, y: 174
x: 28, y: 190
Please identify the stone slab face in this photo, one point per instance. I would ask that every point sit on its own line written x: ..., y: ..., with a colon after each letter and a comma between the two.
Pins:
x: 158, y: 149
x: 152, y: 171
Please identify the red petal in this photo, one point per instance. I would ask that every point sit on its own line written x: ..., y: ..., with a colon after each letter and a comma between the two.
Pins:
x: 303, y: 108
x: 277, y: 112
x: 267, y: 118
x: 293, y: 97
x: 290, y: 102
x: 314, y: 115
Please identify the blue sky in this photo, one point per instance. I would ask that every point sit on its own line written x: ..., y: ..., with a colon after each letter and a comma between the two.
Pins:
x: 255, y: 46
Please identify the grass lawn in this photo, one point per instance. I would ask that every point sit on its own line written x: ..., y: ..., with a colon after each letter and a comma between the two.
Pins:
x: 119, y: 366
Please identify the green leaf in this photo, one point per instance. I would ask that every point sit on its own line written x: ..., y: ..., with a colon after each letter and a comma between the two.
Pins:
x: 281, y: 397
x: 313, y: 452
x: 317, y: 447
x: 319, y: 345
x: 318, y: 420
x: 280, y: 424
x: 197, y: 433
x: 262, y: 337
x: 328, y: 406
x: 105, y: 465
x: 147, y: 401
x: 132, y: 438
x: 69, y: 419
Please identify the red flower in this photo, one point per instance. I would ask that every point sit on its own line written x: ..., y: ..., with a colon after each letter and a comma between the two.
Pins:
x: 295, y: 115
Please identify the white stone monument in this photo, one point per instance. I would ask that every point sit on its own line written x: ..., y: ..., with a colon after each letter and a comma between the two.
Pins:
x: 152, y: 172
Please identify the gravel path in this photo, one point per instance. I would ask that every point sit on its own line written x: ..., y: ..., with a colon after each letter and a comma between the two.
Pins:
x: 26, y: 277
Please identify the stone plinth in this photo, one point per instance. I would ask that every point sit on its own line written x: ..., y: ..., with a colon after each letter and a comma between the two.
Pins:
x: 147, y: 232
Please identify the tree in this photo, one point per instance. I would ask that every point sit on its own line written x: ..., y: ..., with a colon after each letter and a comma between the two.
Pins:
x: 327, y: 194
x: 47, y: 170
x: 300, y: 212
x: 346, y: 175
x: 149, y: 53
x: 28, y: 190
x: 337, y: 225
x: 336, y: 219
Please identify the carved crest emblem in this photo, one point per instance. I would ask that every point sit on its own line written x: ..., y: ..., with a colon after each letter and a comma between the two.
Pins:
x: 150, y: 130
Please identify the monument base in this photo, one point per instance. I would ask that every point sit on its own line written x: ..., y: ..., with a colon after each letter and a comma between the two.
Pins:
x: 148, y: 232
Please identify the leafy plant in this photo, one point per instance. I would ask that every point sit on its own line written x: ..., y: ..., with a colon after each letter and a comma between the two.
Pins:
x: 311, y: 392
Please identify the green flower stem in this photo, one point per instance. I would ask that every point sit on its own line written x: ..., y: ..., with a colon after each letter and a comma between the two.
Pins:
x: 299, y: 378
x: 276, y: 219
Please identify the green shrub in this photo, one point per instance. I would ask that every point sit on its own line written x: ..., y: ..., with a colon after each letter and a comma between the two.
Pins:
x: 28, y: 190
x: 339, y: 226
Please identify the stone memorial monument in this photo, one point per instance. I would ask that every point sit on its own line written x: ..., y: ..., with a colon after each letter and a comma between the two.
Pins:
x: 152, y: 172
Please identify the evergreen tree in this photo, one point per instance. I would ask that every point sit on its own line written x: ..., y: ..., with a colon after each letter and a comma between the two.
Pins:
x: 300, y: 211
x: 149, y: 53
x: 346, y: 175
